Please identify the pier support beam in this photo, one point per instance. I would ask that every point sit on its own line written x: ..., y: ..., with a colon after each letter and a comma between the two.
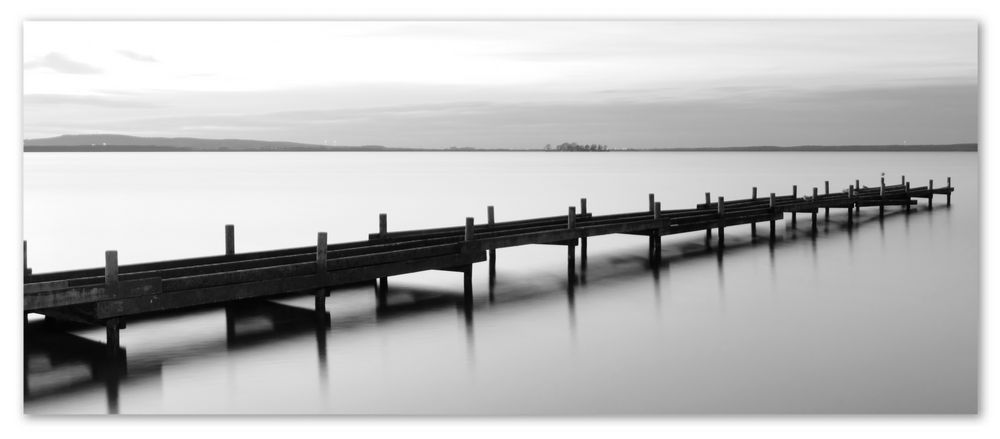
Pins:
x: 815, y: 209
x: 881, y: 206
x: 708, y: 231
x: 857, y: 207
x: 113, y: 325
x: 948, y: 197
x: 230, y: 240
x: 907, y: 191
x: 321, y: 274
x: 571, y: 247
x: 583, y: 240
x: 493, y: 252
x: 850, y: 208
x: 771, y: 205
x: 722, y: 223
x: 382, y: 286
x: 657, y: 252
x: 753, y: 225
x: 467, y: 271
x: 24, y: 262
x: 826, y: 191
x: 930, y: 196
x: 795, y: 194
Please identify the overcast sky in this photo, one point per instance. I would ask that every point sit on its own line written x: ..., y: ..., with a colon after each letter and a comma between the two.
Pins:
x: 508, y: 84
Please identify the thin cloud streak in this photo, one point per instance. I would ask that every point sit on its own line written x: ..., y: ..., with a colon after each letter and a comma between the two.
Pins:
x: 63, y: 64
x: 136, y: 56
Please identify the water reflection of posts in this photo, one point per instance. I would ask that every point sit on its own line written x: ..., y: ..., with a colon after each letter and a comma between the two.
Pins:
x: 116, y: 369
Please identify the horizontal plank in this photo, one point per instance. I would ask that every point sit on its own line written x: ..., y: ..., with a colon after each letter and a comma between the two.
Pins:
x: 79, y: 295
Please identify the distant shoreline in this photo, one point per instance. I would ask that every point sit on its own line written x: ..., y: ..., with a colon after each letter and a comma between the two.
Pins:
x: 968, y: 147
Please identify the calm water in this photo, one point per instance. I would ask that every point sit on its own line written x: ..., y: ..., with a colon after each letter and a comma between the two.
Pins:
x: 881, y: 320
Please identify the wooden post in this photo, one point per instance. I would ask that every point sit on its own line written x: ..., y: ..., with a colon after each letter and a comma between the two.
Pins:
x: 795, y: 194
x: 881, y: 194
x: 493, y: 252
x: 571, y: 247
x: 658, y: 240
x: 708, y: 231
x: 815, y: 209
x: 722, y: 223
x: 652, y: 200
x: 24, y: 263
x: 826, y: 191
x: 583, y: 240
x: 382, y: 290
x: 850, y: 214
x: 907, y: 196
x: 949, y: 192
x: 930, y: 196
x: 857, y: 207
x: 112, y: 325
x: 321, y: 273
x: 902, y: 180
x: 230, y: 240
x: 771, y: 205
x: 753, y: 225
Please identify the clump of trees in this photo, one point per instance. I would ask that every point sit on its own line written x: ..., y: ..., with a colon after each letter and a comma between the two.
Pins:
x: 573, y: 146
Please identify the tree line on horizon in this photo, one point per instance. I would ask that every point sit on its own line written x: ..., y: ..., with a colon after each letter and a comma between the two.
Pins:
x: 573, y: 146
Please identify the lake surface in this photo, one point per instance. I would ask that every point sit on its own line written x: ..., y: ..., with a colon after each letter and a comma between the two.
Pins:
x: 882, y: 320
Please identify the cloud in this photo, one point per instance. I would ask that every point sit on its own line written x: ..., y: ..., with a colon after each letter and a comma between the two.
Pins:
x: 136, y: 56
x: 62, y: 64
x: 42, y: 99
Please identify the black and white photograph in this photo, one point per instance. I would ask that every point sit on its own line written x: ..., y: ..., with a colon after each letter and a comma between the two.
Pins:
x: 501, y: 217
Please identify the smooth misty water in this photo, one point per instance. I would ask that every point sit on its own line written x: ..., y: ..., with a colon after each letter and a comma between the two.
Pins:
x: 881, y: 320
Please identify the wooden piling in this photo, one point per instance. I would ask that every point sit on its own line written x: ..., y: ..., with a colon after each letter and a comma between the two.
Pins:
x: 930, y: 195
x: 658, y: 239
x: 795, y: 194
x: 722, y: 223
x: 382, y: 287
x: 321, y: 273
x: 583, y: 240
x: 467, y: 285
x: 112, y: 326
x: 571, y: 247
x: 230, y: 240
x: 708, y: 231
x: 881, y: 206
x: 907, y: 191
x: 948, y: 197
x: 753, y: 225
x: 850, y: 214
x: 826, y: 191
x: 857, y: 207
x: 24, y: 262
x: 815, y: 210
x: 493, y: 252
x: 771, y: 206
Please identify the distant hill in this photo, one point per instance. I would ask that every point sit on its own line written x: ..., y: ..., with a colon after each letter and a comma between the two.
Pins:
x: 122, y: 143
x: 117, y: 142
x: 949, y: 147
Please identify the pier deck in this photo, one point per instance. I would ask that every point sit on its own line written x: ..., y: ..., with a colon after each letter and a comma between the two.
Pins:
x: 109, y: 295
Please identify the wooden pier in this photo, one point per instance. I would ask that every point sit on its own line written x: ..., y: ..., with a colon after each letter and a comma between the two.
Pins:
x: 110, y: 295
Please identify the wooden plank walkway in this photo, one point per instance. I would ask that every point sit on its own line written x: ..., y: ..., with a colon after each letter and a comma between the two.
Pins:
x: 110, y: 294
